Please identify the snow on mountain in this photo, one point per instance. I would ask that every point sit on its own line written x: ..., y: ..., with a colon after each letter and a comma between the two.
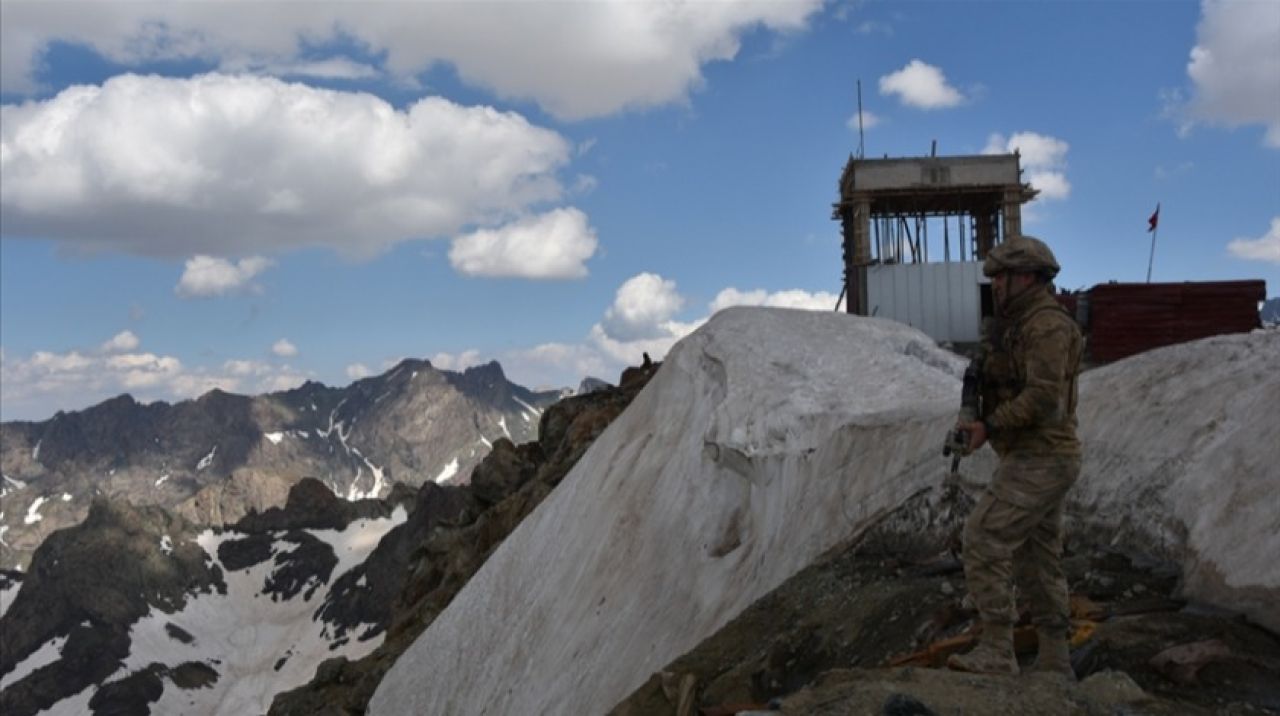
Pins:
x: 257, y: 643
x: 771, y: 436
x: 218, y: 457
x: 136, y: 612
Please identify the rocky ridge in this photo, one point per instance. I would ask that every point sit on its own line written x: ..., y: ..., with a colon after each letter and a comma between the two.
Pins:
x: 451, y: 533
x: 136, y: 605
x: 215, y: 459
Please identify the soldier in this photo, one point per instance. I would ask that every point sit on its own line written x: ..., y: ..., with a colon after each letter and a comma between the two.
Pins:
x: 1029, y: 416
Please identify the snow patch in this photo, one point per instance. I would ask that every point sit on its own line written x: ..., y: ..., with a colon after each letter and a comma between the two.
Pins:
x: 352, y: 544
x: 35, y: 452
x: 535, y: 411
x: 3, y: 529
x: 207, y: 460
x: 66, y: 497
x: 8, y: 594
x: 162, y: 479
x: 486, y: 442
x: 502, y: 423
x: 447, y: 472
x: 275, y: 438
x: 49, y: 652
x: 379, y: 482
x: 166, y: 544
x: 33, y: 512
x: 9, y: 485
x: 244, y: 633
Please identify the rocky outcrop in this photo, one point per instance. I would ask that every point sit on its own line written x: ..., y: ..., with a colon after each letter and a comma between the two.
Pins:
x: 134, y: 608
x: 451, y: 532
x: 86, y: 586
x: 223, y: 456
x: 867, y: 629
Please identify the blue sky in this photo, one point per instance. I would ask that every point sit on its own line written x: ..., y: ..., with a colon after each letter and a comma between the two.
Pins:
x: 249, y: 195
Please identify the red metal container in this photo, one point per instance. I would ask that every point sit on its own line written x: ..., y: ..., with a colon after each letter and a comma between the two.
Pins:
x: 1128, y: 318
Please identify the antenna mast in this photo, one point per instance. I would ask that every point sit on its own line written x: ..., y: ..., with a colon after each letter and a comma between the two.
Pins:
x: 861, y: 154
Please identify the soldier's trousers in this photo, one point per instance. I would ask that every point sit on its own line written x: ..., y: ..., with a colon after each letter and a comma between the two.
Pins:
x: 1016, y: 530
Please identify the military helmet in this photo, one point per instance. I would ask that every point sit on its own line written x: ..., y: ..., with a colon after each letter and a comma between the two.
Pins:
x: 1023, y: 254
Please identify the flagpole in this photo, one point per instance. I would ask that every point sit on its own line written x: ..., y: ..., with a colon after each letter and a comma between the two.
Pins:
x: 1155, y: 228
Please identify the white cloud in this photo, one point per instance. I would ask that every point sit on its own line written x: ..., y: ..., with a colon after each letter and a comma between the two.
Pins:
x: 37, y: 386
x: 1235, y: 66
x: 1052, y: 185
x: 576, y: 59
x: 334, y: 68
x: 456, y: 361
x: 1263, y: 248
x: 642, y: 309
x: 795, y: 298
x: 226, y: 166
x: 553, y: 245
x: 122, y: 342
x: 559, y: 365
x: 206, y: 276
x: 869, y: 120
x: 243, y: 368
x: 284, y: 348
x: 921, y: 85
x: 1043, y: 157
x: 356, y: 371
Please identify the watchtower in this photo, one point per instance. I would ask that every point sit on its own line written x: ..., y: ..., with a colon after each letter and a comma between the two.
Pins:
x: 892, y: 266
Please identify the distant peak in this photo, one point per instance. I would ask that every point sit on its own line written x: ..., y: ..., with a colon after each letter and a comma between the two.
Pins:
x: 492, y: 368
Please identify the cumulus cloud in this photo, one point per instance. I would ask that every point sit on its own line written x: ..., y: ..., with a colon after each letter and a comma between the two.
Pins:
x: 558, y: 365
x: 122, y: 342
x: 554, y: 245
x: 356, y: 371
x: 795, y: 298
x: 38, y: 385
x: 577, y: 60
x: 206, y: 276
x: 922, y: 86
x: 222, y: 165
x: 284, y: 348
x: 1235, y: 66
x: 1043, y: 157
x: 1263, y: 248
x: 642, y: 308
x: 456, y: 361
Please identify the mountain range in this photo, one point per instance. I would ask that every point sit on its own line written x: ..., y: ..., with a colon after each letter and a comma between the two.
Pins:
x: 219, y: 457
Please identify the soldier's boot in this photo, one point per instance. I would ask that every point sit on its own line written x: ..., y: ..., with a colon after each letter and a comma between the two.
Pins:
x: 1052, y: 655
x: 993, y: 655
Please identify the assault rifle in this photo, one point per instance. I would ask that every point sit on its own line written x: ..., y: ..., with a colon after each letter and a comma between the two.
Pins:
x: 957, y: 443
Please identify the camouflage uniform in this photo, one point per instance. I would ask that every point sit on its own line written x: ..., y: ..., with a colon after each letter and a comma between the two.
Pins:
x: 1033, y: 352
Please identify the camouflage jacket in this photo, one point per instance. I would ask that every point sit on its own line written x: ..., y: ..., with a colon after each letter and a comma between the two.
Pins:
x: 1032, y: 363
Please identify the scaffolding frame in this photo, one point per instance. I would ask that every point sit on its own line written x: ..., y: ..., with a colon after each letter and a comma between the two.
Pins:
x: 886, y: 207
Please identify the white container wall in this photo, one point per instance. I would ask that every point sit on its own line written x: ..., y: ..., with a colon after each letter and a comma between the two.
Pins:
x: 942, y: 299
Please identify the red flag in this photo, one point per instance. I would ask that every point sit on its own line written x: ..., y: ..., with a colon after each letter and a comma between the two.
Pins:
x: 1154, y: 220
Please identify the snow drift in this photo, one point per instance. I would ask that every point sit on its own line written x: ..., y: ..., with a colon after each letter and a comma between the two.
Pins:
x: 767, y: 437
x: 772, y: 435
x: 1182, y: 462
